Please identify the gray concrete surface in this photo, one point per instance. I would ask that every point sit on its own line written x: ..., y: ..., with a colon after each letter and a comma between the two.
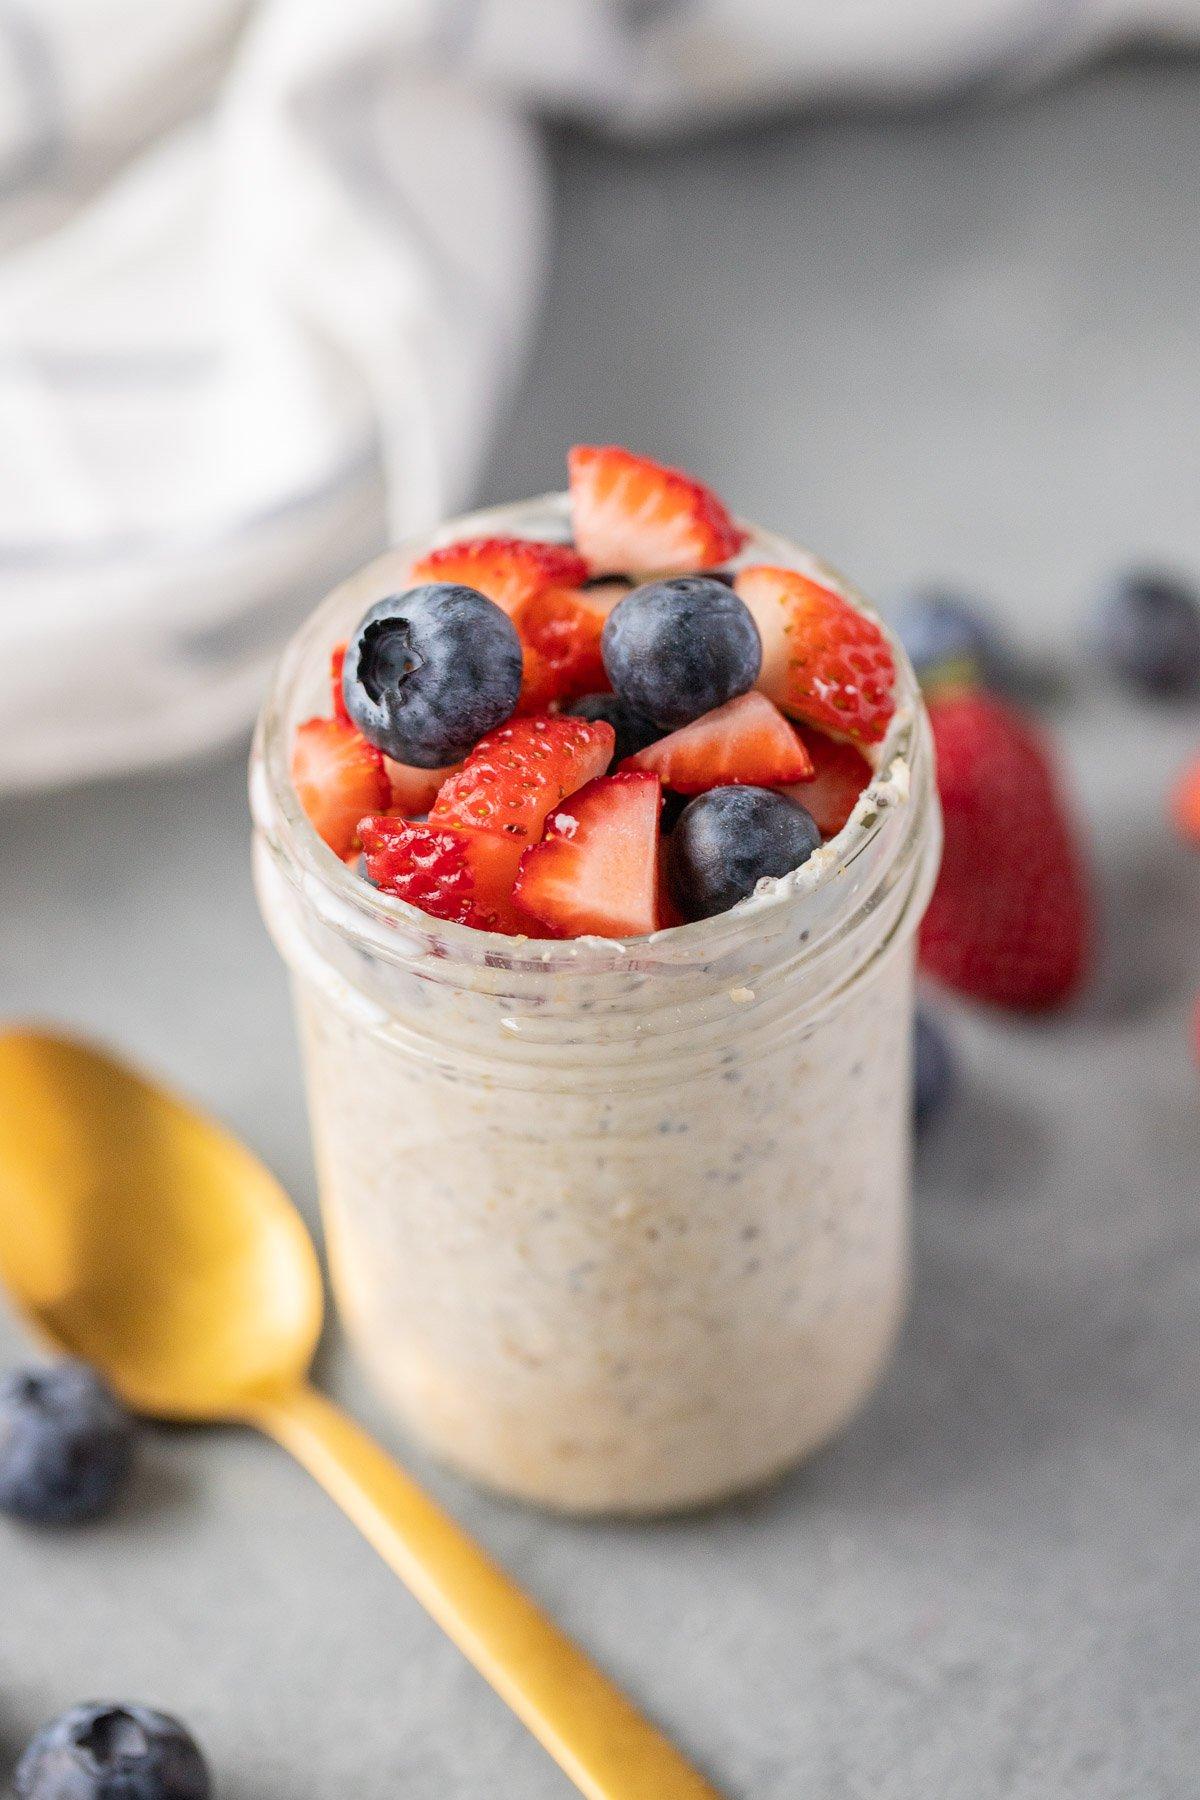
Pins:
x: 962, y: 344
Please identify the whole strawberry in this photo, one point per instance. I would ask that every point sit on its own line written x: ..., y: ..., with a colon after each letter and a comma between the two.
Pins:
x: 1009, y: 921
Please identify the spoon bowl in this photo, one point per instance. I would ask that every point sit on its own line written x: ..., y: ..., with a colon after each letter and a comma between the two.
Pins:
x: 137, y: 1234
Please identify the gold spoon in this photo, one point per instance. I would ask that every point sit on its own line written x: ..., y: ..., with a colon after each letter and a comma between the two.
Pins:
x: 140, y: 1236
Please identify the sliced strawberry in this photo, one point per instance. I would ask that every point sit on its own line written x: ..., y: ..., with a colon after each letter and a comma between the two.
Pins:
x: 823, y: 660
x: 539, y: 685
x: 747, y: 742
x: 506, y: 570
x: 515, y: 775
x: 840, y: 773
x: 335, y: 684
x: 596, y: 869
x: 338, y: 778
x: 415, y: 790
x: 560, y: 631
x: 639, y: 518
x: 464, y: 876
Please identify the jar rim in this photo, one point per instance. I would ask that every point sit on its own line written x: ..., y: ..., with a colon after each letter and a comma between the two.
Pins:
x: 399, y: 931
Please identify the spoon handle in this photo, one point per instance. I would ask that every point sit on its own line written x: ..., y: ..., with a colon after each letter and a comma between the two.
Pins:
x: 590, y: 1729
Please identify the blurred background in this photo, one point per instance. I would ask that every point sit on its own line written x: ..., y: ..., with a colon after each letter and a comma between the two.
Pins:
x: 915, y: 284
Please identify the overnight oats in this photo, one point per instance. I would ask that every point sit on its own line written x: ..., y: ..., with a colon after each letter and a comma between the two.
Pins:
x: 597, y: 867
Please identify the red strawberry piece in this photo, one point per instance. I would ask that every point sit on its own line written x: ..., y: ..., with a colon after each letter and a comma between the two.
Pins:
x: 338, y: 778
x: 516, y: 774
x: 415, y: 790
x: 560, y: 632
x: 840, y: 773
x: 1185, y: 804
x: 596, y: 868
x: 506, y: 570
x: 539, y: 685
x: 335, y: 684
x: 1010, y: 918
x: 823, y: 660
x: 667, y: 913
x: 747, y: 742
x: 640, y: 518
x: 464, y: 876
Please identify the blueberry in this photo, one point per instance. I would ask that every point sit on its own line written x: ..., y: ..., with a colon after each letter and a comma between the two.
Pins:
x: 66, y: 1444
x: 429, y: 671
x: 933, y: 1070
x: 1147, y: 628
x: 103, y: 1751
x: 634, y: 732
x: 727, y: 840
x: 676, y: 649
x: 941, y: 631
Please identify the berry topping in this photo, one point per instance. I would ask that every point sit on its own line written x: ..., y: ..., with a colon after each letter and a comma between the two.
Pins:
x: 518, y: 773
x: 840, y: 773
x: 110, y: 1752
x: 677, y: 649
x: 596, y: 869
x: 1147, y: 628
x: 933, y: 1070
x: 948, y: 639
x: 727, y: 840
x: 430, y: 671
x: 337, y: 666
x: 469, y: 709
x: 66, y: 1444
x: 1009, y: 920
x: 507, y: 570
x: 560, y: 632
x: 636, y: 516
x: 633, y: 730
x: 823, y: 660
x: 449, y: 873
x: 746, y: 742
x: 338, y: 778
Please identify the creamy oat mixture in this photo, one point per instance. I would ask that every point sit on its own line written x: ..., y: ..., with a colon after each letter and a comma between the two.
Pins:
x: 636, y: 1300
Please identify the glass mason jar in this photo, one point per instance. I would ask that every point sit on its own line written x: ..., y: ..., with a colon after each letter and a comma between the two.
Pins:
x: 619, y: 1227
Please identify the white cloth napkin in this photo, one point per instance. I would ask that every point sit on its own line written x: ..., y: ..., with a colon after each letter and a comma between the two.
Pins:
x: 268, y: 266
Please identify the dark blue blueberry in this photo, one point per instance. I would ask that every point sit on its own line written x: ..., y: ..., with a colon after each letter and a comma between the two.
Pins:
x: 675, y: 649
x: 727, y: 840
x: 941, y: 631
x: 726, y: 576
x: 634, y: 733
x: 66, y: 1444
x: 429, y: 671
x: 1147, y: 628
x: 104, y: 1751
x: 933, y: 1070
